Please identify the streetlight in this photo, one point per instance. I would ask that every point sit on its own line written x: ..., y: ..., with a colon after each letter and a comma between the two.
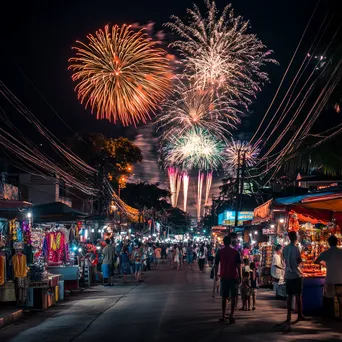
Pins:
x: 29, y: 215
x: 281, y: 220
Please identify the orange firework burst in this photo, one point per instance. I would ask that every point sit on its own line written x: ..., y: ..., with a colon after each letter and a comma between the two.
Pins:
x: 121, y: 74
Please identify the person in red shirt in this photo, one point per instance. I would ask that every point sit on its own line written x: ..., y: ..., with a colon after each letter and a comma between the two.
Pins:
x: 230, y: 274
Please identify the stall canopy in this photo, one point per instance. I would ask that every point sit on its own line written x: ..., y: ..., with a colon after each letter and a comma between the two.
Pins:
x: 320, y: 211
x: 13, y: 209
x: 303, y: 198
x: 55, y: 212
x: 8, y: 205
x: 264, y: 212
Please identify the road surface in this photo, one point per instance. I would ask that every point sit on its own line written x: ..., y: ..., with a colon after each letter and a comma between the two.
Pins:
x: 167, y: 306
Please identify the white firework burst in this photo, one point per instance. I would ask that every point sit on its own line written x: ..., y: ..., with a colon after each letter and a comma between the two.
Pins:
x: 192, y: 107
x: 195, y: 149
x: 219, y: 54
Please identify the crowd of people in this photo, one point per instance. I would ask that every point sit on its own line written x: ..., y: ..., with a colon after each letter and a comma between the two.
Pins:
x: 134, y: 257
x: 234, y: 269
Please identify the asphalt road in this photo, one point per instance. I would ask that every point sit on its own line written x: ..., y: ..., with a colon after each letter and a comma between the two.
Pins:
x: 167, y: 306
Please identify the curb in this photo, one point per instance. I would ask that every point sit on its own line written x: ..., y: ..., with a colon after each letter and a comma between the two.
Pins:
x: 11, y: 318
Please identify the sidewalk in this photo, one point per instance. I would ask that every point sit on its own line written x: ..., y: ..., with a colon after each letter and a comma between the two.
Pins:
x: 97, y: 297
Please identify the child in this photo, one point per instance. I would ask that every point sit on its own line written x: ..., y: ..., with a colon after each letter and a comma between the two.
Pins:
x: 253, y: 277
x: 246, y: 292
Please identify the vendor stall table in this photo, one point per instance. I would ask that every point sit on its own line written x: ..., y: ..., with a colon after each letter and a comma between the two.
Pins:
x: 70, y: 275
x: 43, y: 294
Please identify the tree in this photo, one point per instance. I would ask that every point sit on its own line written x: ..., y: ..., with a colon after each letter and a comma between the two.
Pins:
x: 112, y: 157
x: 178, y: 220
x: 142, y: 194
x: 153, y: 202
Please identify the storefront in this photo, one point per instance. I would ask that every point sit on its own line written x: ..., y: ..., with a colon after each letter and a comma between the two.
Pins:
x: 314, y: 217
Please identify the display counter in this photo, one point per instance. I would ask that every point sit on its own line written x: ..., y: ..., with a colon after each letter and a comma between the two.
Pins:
x: 69, y: 274
x: 313, y: 295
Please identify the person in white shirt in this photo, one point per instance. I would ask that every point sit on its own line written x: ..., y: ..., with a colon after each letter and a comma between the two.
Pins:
x: 277, y: 269
x: 333, y: 262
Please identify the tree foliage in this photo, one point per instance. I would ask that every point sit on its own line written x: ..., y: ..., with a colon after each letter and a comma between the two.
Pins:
x: 114, y: 155
x: 153, y: 201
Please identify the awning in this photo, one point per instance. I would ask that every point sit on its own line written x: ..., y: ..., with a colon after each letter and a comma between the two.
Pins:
x: 303, y: 198
x: 55, y: 212
x: 328, y: 204
x: 311, y: 215
x: 262, y: 212
x: 8, y: 205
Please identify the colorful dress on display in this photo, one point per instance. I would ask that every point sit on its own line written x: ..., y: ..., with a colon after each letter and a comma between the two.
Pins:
x: 54, y: 247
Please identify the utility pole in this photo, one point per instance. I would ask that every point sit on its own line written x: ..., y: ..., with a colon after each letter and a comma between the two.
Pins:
x: 237, y: 197
x: 243, y: 169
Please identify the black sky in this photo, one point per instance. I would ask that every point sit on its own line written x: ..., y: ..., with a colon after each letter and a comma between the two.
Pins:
x: 36, y: 40
x: 37, y: 37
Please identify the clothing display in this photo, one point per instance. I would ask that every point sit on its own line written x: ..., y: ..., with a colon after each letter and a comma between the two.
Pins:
x: 54, y: 247
x: 19, y: 265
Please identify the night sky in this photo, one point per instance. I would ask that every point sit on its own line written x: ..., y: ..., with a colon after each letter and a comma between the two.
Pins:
x: 37, y: 37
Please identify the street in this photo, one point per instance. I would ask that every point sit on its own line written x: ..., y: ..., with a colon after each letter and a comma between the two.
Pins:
x: 167, y: 306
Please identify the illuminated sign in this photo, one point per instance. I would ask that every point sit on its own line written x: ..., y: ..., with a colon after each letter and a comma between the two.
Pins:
x: 268, y: 231
x: 227, y: 218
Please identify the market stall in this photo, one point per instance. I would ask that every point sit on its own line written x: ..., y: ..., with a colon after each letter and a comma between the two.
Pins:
x: 15, y: 251
x: 314, y: 221
x: 314, y: 216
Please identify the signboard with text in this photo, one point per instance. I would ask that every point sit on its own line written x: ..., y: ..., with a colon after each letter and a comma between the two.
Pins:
x: 227, y: 218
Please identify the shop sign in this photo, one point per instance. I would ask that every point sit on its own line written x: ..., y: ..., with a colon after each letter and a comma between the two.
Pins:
x: 268, y: 231
x: 227, y: 218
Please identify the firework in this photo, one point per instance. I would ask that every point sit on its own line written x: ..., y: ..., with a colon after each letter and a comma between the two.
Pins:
x: 121, y: 74
x: 208, y: 184
x: 191, y: 107
x: 199, y: 193
x: 173, y: 174
x: 185, y: 190
x: 195, y: 149
x: 178, y: 186
x: 238, y: 152
x: 219, y: 54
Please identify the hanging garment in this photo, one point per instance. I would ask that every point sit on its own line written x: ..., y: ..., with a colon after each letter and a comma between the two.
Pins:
x: 20, y: 287
x: 2, y: 269
x: 54, y: 247
x: 19, y: 265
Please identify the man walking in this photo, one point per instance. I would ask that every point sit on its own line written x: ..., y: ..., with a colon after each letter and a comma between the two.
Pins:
x: 230, y: 274
x: 293, y: 277
x: 108, y: 262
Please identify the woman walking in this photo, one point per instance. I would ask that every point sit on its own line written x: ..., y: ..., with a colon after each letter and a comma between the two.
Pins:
x: 202, y: 254
x: 176, y: 259
x: 125, y: 267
